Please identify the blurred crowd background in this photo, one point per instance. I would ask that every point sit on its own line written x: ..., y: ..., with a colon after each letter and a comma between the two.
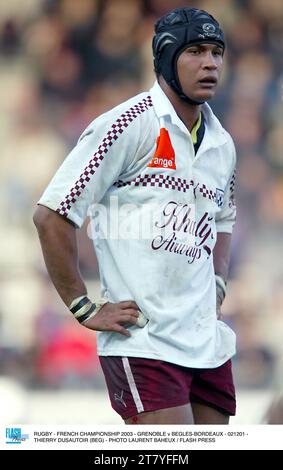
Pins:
x: 64, y: 62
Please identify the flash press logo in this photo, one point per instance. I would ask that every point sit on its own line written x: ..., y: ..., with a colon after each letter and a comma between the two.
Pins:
x: 15, y: 436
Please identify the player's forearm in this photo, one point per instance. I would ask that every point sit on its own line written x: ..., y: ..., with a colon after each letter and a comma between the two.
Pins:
x: 221, y: 254
x: 59, y: 247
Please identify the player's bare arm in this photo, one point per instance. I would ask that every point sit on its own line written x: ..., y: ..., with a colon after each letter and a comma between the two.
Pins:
x: 221, y: 254
x: 59, y: 246
x: 221, y: 258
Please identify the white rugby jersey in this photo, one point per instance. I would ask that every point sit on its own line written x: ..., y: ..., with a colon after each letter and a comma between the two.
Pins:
x: 138, y: 162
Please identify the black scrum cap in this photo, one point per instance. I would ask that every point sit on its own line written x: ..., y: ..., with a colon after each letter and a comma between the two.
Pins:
x: 174, y: 32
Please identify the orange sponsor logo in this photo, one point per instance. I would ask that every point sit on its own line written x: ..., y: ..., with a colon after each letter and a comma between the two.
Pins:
x: 164, y: 156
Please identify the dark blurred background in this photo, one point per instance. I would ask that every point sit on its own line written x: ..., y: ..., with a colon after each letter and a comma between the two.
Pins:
x: 64, y: 62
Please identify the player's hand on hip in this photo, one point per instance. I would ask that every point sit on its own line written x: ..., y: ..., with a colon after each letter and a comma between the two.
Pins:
x: 114, y: 317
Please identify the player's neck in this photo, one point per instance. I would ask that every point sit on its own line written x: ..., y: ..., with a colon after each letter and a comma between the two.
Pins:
x: 187, y: 112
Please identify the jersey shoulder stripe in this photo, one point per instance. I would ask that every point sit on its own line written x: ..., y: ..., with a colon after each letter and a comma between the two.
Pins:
x: 116, y: 129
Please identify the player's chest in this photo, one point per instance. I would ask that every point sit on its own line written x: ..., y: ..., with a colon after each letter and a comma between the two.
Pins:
x: 172, y: 167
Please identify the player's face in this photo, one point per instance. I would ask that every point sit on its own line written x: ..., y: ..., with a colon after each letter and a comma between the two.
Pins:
x: 199, y: 68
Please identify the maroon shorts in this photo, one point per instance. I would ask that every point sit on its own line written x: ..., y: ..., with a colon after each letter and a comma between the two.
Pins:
x: 137, y: 385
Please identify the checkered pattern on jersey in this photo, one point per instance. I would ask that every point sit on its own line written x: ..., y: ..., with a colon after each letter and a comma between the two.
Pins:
x: 232, y: 189
x: 168, y: 182
x: 160, y: 181
x: 113, y: 134
x: 208, y: 193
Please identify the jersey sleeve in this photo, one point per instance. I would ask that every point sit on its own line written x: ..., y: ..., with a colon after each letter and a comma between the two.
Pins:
x: 226, y: 217
x: 92, y: 167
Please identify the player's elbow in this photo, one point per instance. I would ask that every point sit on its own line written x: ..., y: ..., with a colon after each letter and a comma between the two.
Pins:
x: 48, y: 221
x: 42, y: 218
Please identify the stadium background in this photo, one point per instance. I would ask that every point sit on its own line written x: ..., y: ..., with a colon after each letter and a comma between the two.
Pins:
x: 64, y: 62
